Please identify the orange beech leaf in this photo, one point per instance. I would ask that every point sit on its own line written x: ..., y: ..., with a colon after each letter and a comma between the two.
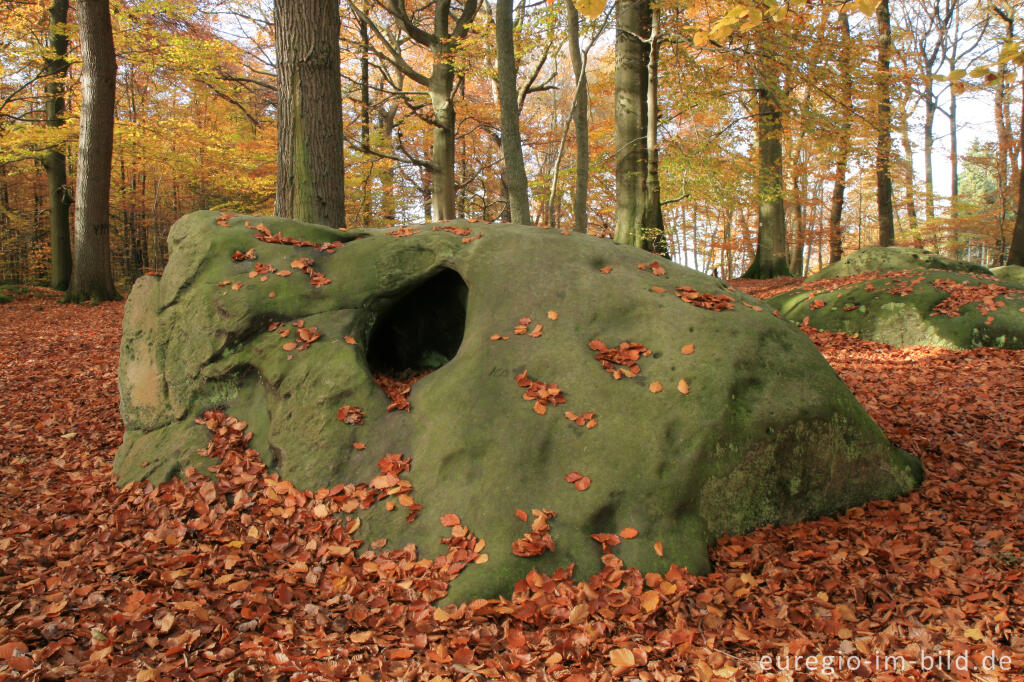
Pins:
x: 655, y: 387
x: 621, y: 658
x: 688, y: 349
x: 552, y: 315
x: 606, y: 269
x: 683, y: 387
x: 359, y: 446
x: 350, y: 341
x: 583, y: 483
x: 521, y: 515
x: 659, y: 549
x: 539, y: 408
x: 629, y: 533
x: 449, y: 520
x: 291, y: 345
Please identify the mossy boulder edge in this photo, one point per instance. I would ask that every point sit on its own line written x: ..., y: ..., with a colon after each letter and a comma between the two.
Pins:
x: 765, y: 432
x: 1010, y: 273
x: 890, y: 258
x: 939, y: 302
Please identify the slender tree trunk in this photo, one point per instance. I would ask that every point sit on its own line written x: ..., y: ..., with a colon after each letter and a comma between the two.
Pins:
x: 796, y: 258
x: 508, y: 98
x: 954, y: 159
x: 581, y: 188
x: 908, y: 175
x: 883, y: 151
x: 654, y: 221
x: 770, y: 257
x: 387, y: 175
x: 727, y: 244
x: 929, y: 142
x: 310, y: 147
x: 835, y: 218
x: 91, y: 276
x: 1003, y: 136
x: 364, y: 82
x: 633, y: 23
x: 56, y: 68
x: 1016, y: 256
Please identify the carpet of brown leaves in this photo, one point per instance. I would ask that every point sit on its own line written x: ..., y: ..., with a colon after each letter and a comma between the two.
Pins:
x: 247, y: 578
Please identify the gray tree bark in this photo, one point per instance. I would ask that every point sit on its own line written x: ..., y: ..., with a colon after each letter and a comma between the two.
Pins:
x: 883, y: 149
x: 508, y: 98
x: 581, y: 187
x: 56, y: 68
x: 633, y: 23
x: 91, y: 276
x: 310, y: 145
x: 770, y: 257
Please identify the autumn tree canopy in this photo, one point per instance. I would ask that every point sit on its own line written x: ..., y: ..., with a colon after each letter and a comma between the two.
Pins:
x: 771, y: 126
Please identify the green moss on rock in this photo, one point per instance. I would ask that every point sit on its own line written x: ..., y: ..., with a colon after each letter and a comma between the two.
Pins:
x: 911, y: 308
x: 766, y: 433
x: 889, y: 258
x: 1010, y: 273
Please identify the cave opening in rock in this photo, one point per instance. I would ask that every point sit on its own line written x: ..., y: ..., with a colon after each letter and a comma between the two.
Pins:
x: 418, y: 334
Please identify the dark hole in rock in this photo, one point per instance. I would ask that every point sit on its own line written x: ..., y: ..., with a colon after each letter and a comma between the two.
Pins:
x: 421, y: 331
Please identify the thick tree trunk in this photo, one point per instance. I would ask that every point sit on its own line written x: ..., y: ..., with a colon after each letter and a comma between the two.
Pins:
x: 310, y: 147
x: 633, y: 23
x: 91, y: 277
x: 56, y: 68
x: 442, y: 176
x: 508, y: 98
x: 883, y: 150
x: 770, y: 257
x: 581, y: 187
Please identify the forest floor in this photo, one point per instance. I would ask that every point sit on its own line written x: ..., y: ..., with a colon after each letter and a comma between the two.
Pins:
x: 98, y: 582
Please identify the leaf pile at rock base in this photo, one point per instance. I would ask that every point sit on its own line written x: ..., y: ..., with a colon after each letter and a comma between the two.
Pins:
x: 206, y: 579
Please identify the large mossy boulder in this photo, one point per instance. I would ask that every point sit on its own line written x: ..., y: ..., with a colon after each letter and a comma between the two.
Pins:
x: 937, y: 302
x: 1010, y: 273
x: 893, y: 258
x: 723, y: 417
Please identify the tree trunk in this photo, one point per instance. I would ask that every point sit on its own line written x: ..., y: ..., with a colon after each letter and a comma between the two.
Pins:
x: 883, y: 150
x: 654, y: 221
x: 91, y: 277
x: 908, y: 175
x: 633, y: 22
x: 508, y: 98
x: 56, y: 68
x: 954, y: 158
x: 310, y: 147
x: 796, y: 256
x: 387, y: 175
x: 770, y: 257
x: 581, y: 188
x: 442, y: 176
x: 929, y: 142
x: 1016, y: 256
x: 835, y: 216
